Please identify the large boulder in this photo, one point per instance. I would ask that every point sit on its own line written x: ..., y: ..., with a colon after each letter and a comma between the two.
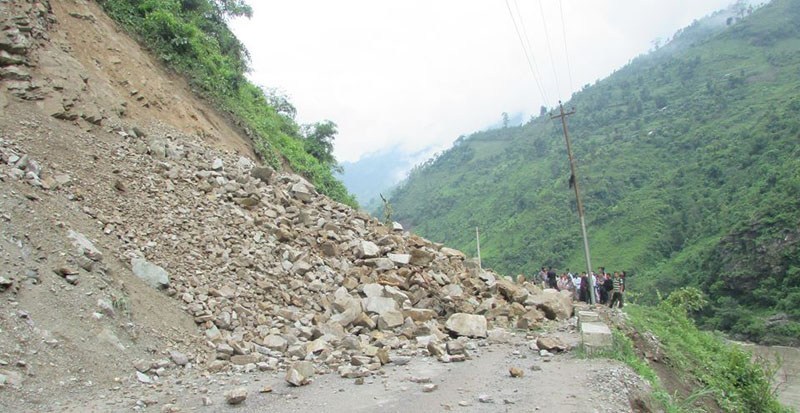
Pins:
x: 300, y: 373
x: 380, y: 305
x: 367, y: 249
x: 470, y: 325
x: 150, y: 273
x: 420, y: 257
x: 513, y: 293
x: 554, y: 304
x: 262, y: 173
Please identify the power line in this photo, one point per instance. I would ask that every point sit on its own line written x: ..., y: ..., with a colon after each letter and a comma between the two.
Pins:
x: 527, y: 56
x: 528, y: 42
x: 549, y: 49
x: 566, y: 53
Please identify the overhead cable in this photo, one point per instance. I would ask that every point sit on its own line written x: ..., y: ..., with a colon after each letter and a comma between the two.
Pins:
x: 531, y: 65
x: 566, y: 52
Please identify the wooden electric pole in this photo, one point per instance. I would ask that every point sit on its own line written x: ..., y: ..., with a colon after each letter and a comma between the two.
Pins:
x: 573, y: 182
x: 478, y: 241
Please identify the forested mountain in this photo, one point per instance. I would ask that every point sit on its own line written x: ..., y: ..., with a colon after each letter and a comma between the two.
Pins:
x: 689, y: 166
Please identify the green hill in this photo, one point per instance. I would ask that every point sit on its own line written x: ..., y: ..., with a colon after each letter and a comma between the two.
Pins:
x: 689, y: 166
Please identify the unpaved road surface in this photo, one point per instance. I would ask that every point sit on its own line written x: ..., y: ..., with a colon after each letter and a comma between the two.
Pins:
x: 560, y: 383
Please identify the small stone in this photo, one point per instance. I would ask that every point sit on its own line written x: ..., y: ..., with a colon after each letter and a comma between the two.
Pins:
x: 178, y: 358
x: 485, y: 398
x: 429, y: 388
x: 266, y: 389
x: 516, y: 372
x: 236, y: 396
x: 207, y: 401
x: 143, y: 378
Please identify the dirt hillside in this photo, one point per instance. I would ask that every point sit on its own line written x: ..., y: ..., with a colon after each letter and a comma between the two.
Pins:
x: 150, y: 263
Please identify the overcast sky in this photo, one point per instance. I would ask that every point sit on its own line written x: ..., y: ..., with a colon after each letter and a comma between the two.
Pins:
x: 412, y: 74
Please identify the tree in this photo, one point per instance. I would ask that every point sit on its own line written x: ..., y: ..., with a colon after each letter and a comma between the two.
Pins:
x: 234, y: 8
x: 280, y: 101
x: 505, y: 119
x: 223, y: 8
x: 542, y: 110
x: 318, y: 142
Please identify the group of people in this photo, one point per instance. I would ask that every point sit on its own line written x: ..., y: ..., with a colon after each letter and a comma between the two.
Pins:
x: 608, y: 287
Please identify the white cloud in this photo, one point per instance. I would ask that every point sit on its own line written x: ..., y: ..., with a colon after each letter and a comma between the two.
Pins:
x: 416, y: 74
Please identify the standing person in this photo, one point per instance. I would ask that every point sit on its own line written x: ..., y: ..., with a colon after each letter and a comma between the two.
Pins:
x: 618, y: 288
x: 565, y: 283
x: 606, y: 288
x: 583, y: 290
x: 543, y: 277
x: 552, y: 282
x: 576, y: 281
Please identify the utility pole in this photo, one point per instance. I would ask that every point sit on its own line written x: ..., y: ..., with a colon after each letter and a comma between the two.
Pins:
x: 573, y: 181
x: 478, y: 240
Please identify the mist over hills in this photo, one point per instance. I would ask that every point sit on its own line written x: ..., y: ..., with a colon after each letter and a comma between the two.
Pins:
x: 688, y: 160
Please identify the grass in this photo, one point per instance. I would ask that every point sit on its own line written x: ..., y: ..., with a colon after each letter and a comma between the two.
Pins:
x: 724, y: 371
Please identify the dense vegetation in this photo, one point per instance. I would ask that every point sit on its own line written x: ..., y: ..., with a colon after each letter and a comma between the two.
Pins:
x: 689, y: 166
x: 710, y: 372
x: 192, y: 37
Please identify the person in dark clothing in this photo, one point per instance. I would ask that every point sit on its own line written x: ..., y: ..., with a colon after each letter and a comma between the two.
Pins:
x: 607, y: 286
x: 583, y: 291
x: 552, y: 278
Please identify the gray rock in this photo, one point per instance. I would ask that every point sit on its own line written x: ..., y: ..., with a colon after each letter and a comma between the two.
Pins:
x: 455, y: 347
x: 420, y: 257
x: 300, y: 373
x: 469, y: 325
x: 554, y: 305
x: 217, y: 164
x: 7, y: 59
x: 106, y: 307
x: 84, y: 246
x: 379, y: 305
x: 236, y: 395
x: 262, y: 173
x: 372, y: 290
x: 550, y: 344
x: 276, y: 343
x: 367, y: 249
x: 390, y: 319
x: 157, y: 148
x: 150, y: 273
x: 14, y: 73
x: 301, y: 192
x: 399, y: 259
x: 143, y: 378
x: 5, y: 283
x: 178, y: 358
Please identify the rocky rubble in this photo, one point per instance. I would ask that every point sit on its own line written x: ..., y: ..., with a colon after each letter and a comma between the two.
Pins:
x: 275, y: 276
x: 273, y: 272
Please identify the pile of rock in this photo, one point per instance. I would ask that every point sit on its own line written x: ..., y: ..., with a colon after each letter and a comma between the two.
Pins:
x: 275, y: 273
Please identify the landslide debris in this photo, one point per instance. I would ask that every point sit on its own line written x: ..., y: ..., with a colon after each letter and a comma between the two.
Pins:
x: 140, y: 242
